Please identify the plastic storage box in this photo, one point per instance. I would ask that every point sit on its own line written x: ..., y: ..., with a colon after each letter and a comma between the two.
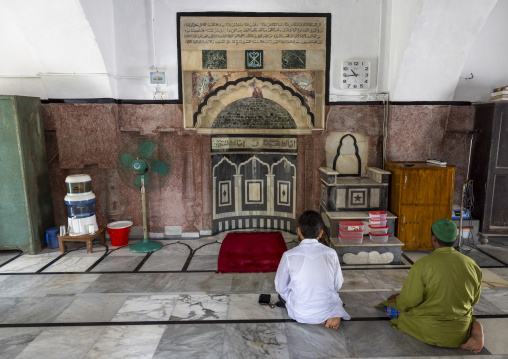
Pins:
x: 377, y: 216
x: 378, y: 230
x: 380, y: 238
x: 351, y: 226
x: 377, y: 224
x: 358, y: 240
x: 349, y: 234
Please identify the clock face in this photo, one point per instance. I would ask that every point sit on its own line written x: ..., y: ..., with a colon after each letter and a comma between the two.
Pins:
x: 355, y: 75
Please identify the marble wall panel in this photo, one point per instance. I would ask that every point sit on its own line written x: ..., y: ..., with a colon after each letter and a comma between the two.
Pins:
x: 150, y: 119
x: 416, y: 133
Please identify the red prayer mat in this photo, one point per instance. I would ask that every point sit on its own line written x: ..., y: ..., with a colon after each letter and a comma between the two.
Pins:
x: 251, y: 252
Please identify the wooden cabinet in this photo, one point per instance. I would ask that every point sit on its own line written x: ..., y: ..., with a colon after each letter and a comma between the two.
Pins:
x: 419, y: 195
x: 26, y: 210
x: 489, y: 168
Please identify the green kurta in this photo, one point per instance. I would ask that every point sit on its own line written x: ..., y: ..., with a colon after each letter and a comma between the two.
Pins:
x: 436, y: 301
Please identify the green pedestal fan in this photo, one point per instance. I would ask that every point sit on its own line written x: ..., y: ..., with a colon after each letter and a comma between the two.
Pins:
x: 144, y: 164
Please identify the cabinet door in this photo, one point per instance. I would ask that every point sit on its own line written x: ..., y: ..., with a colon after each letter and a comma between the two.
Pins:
x: 415, y: 222
x: 427, y: 186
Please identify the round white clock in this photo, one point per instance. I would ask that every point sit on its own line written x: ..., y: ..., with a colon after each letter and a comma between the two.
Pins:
x: 355, y: 75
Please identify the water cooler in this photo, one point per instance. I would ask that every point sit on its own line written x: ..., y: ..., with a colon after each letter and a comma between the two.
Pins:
x: 80, y: 202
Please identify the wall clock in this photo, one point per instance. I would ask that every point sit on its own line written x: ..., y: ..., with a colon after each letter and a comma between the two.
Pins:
x: 355, y: 75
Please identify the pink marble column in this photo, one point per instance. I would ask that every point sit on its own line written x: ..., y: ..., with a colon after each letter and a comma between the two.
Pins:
x: 189, y: 190
x: 207, y: 190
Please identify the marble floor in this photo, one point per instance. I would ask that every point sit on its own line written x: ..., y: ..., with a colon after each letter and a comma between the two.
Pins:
x: 113, y: 303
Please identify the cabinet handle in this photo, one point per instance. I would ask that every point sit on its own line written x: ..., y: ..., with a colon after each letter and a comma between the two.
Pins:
x: 405, y: 178
x: 403, y: 219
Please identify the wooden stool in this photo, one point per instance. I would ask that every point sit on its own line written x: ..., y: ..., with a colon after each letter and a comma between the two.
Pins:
x: 88, y: 238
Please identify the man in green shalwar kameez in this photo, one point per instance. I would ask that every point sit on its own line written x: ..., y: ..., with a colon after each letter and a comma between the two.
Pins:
x: 437, y: 299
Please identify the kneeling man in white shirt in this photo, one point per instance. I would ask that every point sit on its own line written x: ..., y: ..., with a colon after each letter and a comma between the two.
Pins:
x: 309, y: 277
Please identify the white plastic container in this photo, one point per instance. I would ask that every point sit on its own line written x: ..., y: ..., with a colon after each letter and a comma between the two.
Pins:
x: 378, y: 230
x: 350, y: 234
x: 377, y: 216
x: 379, y: 238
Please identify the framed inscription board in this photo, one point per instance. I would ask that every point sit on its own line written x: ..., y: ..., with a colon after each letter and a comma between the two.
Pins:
x: 253, y: 72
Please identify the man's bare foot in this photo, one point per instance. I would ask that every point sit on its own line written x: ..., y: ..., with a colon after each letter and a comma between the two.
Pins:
x: 475, y: 341
x: 332, y: 323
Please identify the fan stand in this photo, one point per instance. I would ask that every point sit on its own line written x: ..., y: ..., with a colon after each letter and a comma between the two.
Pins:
x: 145, y: 245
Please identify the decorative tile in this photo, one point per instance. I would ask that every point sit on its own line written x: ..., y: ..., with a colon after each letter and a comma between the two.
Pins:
x: 146, y: 308
x: 203, y: 341
x: 246, y: 306
x: 320, y: 342
x: 92, y: 308
x: 253, y: 59
x: 201, y: 307
x: 293, y: 59
x: 255, y: 341
x: 214, y: 59
x: 132, y: 341
x: 63, y: 342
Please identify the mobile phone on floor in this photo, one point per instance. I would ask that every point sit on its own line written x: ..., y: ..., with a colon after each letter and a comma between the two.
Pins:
x: 264, y: 299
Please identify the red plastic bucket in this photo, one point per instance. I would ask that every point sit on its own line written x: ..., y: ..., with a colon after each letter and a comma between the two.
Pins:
x: 119, y: 232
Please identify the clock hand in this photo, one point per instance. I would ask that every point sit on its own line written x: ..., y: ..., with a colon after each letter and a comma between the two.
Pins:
x: 354, y: 74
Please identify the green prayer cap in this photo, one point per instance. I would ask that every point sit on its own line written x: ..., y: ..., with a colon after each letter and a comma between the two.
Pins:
x: 445, y: 230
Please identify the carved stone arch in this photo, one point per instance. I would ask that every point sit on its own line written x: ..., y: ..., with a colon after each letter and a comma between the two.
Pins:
x: 250, y: 87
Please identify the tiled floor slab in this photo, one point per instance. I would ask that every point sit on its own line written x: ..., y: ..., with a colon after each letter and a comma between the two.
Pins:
x: 172, y: 248
x: 28, y: 263
x: 6, y: 303
x: 72, y: 264
x: 384, y: 341
x: 174, y: 262
x: 256, y: 341
x: 98, y: 250
x: 496, y: 332
x: 92, y: 308
x: 482, y: 259
x: 62, y: 342
x: 6, y: 256
x: 203, y: 262
x: 500, y: 251
x: 67, y: 284
x: 146, y: 308
x: 246, y: 306
x: 115, y: 283
x: 502, y: 272
x: 498, y: 296
x: 118, y: 263
x: 253, y: 282
x: 491, y: 279
x: 485, y: 306
x: 387, y: 279
x: 23, y: 285
x: 201, y: 307
x: 14, y: 340
x: 208, y: 249
x: 36, y: 310
x: 362, y: 304
x: 317, y: 341
x: 356, y: 280
x: 133, y: 341
x: 181, y: 341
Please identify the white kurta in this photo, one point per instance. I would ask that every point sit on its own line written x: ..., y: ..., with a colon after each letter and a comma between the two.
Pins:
x: 308, y: 279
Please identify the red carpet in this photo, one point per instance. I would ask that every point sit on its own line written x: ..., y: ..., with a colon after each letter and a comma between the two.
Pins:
x: 251, y: 252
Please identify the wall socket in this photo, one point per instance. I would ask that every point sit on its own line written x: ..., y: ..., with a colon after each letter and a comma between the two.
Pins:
x: 159, y: 95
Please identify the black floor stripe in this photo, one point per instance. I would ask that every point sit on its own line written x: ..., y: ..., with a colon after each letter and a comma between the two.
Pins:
x: 408, y: 259
x: 88, y: 270
x: 198, y: 322
x: 491, y: 256
x: 136, y: 270
x: 10, y: 260
x: 52, y: 262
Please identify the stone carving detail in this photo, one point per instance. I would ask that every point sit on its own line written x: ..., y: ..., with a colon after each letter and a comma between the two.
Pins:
x: 347, y: 161
x: 293, y: 59
x: 214, y: 59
